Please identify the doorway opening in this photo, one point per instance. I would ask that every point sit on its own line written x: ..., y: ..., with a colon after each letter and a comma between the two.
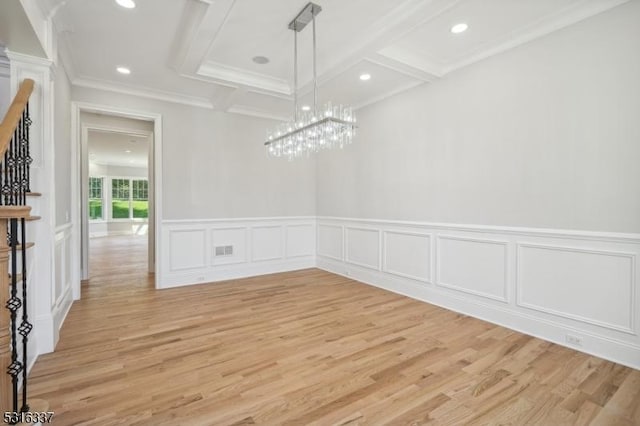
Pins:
x: 117, y: 153
x: 118, y: 189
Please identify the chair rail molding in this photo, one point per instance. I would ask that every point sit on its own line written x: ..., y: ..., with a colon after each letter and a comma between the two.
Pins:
x: 564, y: 286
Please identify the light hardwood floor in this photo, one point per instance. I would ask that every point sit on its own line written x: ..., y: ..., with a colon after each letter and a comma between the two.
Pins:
x: 306, y: 347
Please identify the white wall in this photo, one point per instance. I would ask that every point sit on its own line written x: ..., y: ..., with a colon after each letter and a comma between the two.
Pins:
x: 546, y: 135
x: 214, y: 165
x: 62, y: 150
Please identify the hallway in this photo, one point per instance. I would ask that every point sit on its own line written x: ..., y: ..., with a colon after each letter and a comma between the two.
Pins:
x: 128, y: 253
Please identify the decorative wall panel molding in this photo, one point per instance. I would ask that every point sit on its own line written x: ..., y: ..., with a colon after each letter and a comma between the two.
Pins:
x: 267, y: 242
x: 363, y: 247
x: 300, y: 240
x: 201, y: 251
x: 330, y: 241
x: 408, y: 254
x: 472, y: 265
x: 592, y: 286
x: 560, y: 285
x: 188, y: 249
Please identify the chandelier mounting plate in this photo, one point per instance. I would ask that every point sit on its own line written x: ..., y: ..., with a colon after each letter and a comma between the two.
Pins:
x: 304, y: 17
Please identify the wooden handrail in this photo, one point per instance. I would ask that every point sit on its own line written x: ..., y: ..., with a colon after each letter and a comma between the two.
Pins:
x: 14, y: 113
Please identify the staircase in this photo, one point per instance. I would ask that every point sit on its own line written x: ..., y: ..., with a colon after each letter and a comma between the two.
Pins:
x: 15, y: 215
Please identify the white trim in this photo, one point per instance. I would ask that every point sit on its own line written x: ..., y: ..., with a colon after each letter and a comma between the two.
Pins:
x: 376, y: 267
x: 616, y: 342
x: 630, y: 328
x: 385, y: 268
x: 239, y: 219
x: 148, y: 93
x: 29, y: 60
x: 185, y: 262
x: 253, y: 112
x: 504, y: 244
x: 76, y: 108
x: 606, y: 347
x: 226, y: 74
x: 618, y: 237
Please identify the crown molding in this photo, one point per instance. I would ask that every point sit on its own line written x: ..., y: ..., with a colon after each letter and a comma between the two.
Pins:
x: 389, y: 94
x: 226, y: 73
x: 253, y: 112
x: 32, y: 61
x: 142, y: 92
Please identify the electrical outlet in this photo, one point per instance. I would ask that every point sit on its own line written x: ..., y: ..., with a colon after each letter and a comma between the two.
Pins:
x: 574, y: 340
x: 200, y: 278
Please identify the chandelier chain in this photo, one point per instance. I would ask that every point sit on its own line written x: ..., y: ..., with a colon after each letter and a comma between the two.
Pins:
x: 315, y: 70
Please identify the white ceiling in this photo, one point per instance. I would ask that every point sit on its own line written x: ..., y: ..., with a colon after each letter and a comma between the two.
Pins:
x: 199, y: 51
x: 118, y: 149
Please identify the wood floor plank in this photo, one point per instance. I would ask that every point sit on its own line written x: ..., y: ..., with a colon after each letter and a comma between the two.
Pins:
x: 305, y: 347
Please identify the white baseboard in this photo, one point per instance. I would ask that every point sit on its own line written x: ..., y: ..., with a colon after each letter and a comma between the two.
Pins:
x: 44, y: 334
x: 60, y: 312
x: 617, y: 351
x: 257, y: 246
x: 552, y: 284
x: 236, y: 272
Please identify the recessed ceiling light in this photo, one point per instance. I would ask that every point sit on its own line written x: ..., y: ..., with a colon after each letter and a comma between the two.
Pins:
x: 128, y: 151
x: 365, y: 77
x: 260, y: 60
x: 128, y: 4
x: 306, y: 108
x: 123, y: 70
x: 459, y: 28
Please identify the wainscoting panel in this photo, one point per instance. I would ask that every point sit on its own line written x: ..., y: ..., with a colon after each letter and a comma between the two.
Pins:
x: 234, y: 237
x: 188, y: 249
x: 473, y: 266
x: 301, y: 240
x: 407, y: 255
x: 363, y: 247
x: 257, y: 246
x: 61, y: 292
x: 267, y: 243
x: 577, y: 289
x: 592, y: 286
x: 330, y: 241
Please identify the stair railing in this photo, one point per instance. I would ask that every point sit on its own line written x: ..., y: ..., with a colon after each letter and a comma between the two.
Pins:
x: 15, y: 162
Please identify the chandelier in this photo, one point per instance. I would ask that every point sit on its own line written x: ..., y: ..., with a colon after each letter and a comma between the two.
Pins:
x: 311, y: 129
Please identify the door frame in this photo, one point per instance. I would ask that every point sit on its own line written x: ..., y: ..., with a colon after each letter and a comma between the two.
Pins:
x: 79, y: 214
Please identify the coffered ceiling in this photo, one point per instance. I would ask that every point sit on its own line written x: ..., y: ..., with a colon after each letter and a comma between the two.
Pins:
x: 200, y: 52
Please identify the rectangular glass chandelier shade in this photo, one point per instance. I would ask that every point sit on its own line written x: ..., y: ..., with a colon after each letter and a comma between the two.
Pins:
x: 334, y: 126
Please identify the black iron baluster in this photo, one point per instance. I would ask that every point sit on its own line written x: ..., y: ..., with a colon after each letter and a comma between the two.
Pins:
x: 25, y: 327
x: 14, y: 303
x: 6, y: 187
x: 12, y: 158
x: 19, y: 161
x: 28, y: 160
